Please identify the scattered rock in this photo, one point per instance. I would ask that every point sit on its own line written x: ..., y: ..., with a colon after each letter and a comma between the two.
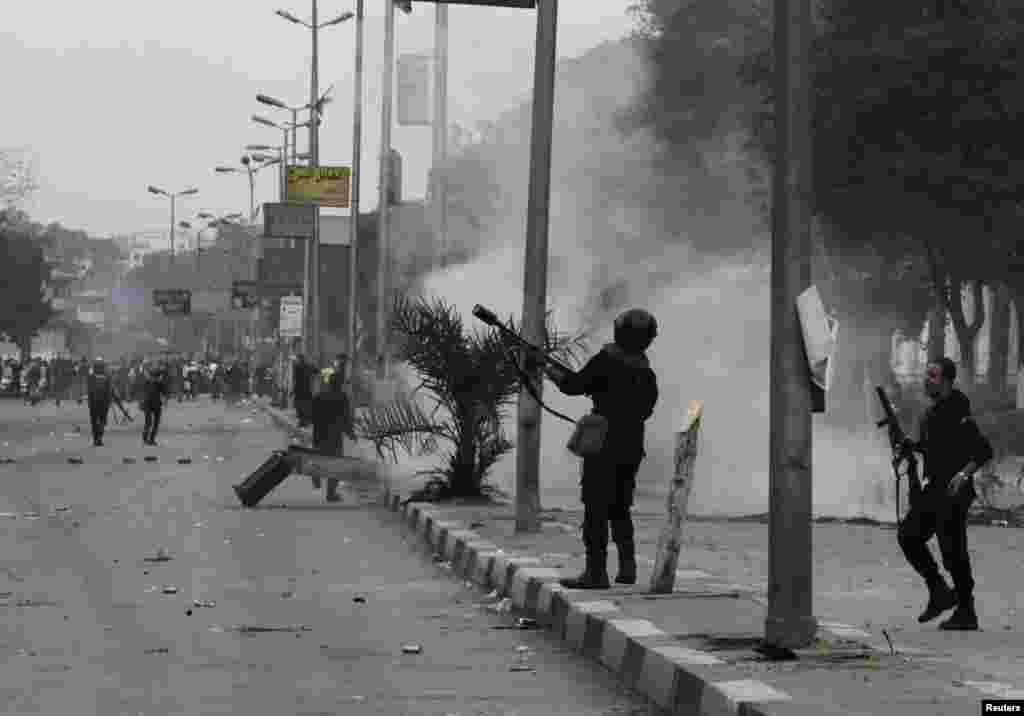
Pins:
x: 412, y: 649
x: 184, y: 461
x: 150, y: 458
x: 188, y: 612
x: 158, y: 650
x: 168, y: 589
x: 526, y: 623
x: 75, y: 460
x: 160, y: 556
x: 474, y: 525
x: 258, y: 629
x: 522, y: 667
x: 359, y: 600
x: 62, y: 508
x: 7, y: 461
x: 287, y: 595
x: 204, y: 603
x: 128, y: 460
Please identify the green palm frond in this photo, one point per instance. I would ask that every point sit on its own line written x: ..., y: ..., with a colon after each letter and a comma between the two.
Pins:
x: 401, y: 424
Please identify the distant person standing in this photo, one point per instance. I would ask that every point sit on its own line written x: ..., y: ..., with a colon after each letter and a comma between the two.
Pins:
x: 154, y: 391
x: 302, y: 390
x: 101, y: 394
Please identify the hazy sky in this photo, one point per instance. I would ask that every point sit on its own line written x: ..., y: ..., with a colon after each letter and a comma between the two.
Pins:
x: 113, y: 95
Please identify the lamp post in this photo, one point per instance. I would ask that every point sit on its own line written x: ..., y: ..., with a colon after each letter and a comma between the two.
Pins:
x: 286, y: 126
x: 315, y: 103
x: 357, y: 176
x: 173, y: 197
x: 187, y: 192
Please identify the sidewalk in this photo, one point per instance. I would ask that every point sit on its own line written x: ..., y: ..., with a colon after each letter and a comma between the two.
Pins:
x: 691, y: 652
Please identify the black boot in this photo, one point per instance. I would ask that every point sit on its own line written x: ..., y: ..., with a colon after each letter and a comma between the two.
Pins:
x: 940, y: 598
x: 963, y: 619
x: 594, y: 576
x: 622, y: 535
x: 627, y: 566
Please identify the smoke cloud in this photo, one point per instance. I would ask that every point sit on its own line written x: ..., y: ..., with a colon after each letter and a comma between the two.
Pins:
x: 612, y: 249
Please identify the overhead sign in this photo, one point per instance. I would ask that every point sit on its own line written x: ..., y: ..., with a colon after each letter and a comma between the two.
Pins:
x: 253, y: 291
x: 323, y: 186
x: 290, y: 325
x: 174, y: 301
x: 414, y: 90
x: 525, y: 4
x: 289, y: 221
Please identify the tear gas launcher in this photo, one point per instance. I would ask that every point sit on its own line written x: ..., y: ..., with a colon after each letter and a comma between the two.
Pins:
x: 902, y: 451
x: 492, y: 320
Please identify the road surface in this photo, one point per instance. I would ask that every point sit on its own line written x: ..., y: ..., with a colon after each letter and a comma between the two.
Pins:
x: 143, y: 589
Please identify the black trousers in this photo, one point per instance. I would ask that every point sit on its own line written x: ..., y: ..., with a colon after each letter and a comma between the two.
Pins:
x: 940, y: 515
x: 149, y: 430
x: 607, y: 495
x: 98, y: 411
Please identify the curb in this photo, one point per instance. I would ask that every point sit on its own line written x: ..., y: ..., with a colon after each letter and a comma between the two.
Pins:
x: 642, y: 656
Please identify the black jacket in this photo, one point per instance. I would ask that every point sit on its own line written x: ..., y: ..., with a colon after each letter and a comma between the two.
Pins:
x: 153, y: 390
x: 101, y: 388
x: 624, y: 390
x: 950, y: 439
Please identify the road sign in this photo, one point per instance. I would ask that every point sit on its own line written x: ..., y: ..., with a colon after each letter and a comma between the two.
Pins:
x: 289, y: 221
x: 174, y: 301
x: 525, y: 4
x: 324, y: 186
x: 290, y: 325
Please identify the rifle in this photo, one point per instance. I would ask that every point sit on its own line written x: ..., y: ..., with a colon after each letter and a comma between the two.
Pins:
x: 901, y: 452
x: 491, y: 319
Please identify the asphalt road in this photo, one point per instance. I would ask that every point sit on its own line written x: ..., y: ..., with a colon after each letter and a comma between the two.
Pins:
x: 144, y: 589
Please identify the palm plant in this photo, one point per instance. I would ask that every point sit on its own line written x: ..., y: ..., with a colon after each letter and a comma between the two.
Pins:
x: 471, y: 380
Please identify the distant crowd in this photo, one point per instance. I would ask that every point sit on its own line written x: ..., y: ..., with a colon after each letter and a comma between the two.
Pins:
x: 66, y: 379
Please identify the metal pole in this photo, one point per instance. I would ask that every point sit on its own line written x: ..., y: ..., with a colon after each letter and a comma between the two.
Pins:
x: 357, y: 175
x: 383, y: 189
x: 314, y: 290
x: 295, y: 140
x: 252, y: 194
x: 170, y: 318
x: 789, y: 622
x: 440, y: 125
x: 314, y: 128
x: 535, y: 271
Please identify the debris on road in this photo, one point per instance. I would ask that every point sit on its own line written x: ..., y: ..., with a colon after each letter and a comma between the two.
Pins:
x: 158, y: 650
x: 184, y: 461
x: 502, y: 607
x: 204, y: 603
x: 260, y: 629
x: 526, y: 623
x: 168, y: 589
x: 62, y: 508
x: 7, y: 461
x: 128, y: 460
x: 522, y: 667
x: 359, y: 600
x: 475, y: 525
x: 412, y: 649
x: 75, y: 460
x: 287, y: 595
x: 160, y: 556
x: 150, y: 458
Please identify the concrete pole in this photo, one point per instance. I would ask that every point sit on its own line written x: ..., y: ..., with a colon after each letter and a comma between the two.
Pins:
x: 314, y: 88
x: 535, y: 271
x: 789, y: 622
x: 385, y: 182
x: 170, y: 318
x: 440, y: 125
x: 357, y: 175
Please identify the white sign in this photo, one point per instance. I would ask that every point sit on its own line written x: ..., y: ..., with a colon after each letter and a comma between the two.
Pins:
x: 414, y: 90
x: 290, y: 325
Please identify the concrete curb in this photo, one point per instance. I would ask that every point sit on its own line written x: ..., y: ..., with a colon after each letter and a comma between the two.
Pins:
x: 643, y: 657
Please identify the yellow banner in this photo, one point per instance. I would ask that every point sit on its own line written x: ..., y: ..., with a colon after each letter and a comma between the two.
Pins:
x: 325, y: 186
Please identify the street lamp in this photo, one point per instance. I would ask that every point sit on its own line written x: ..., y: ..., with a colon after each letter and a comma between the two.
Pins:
x: 187, y: 192
x: 286, y: 126
x: 315, y: 103
x: 250, y: 170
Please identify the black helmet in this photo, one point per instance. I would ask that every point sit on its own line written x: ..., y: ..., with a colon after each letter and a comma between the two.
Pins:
x: 635, y: 330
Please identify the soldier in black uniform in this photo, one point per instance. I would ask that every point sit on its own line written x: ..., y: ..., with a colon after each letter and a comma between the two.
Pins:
x: 953, y: 450
x: 101, y: 394
x: 624, y: 389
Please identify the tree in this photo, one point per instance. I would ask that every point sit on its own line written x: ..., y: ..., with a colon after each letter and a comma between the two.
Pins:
x: 23, y: 307
x: 470, y: 381
x: 17, y: 177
